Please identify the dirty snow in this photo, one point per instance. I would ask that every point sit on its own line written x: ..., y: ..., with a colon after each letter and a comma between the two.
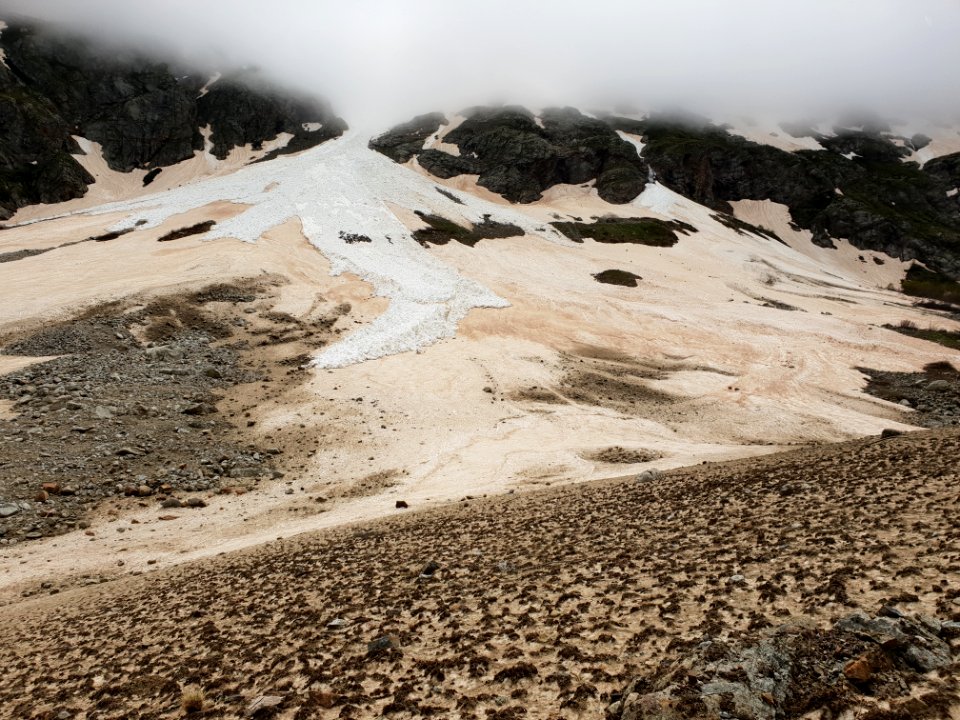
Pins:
x: 342, y: 187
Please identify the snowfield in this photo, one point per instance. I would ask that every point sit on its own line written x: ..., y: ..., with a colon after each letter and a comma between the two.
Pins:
x: 341, y: 188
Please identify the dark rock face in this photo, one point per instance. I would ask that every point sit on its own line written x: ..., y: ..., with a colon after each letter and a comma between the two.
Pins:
x: 405, y: 141
x: 795, y: 670
x: 883, y: 203
x: 518, y: 158
x: 243, y: 111
x: 35, y: 145
x: 143, y: 113
x: 945, y: 168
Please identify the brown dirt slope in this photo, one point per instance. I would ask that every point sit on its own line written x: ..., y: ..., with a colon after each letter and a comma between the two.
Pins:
x: 539, y: 606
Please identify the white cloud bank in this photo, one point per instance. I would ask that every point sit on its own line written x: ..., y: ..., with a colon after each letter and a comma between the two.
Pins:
x: 379, y: 61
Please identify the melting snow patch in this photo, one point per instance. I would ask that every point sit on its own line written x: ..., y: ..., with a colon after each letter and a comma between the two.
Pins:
x: 658, y: 198
x: 633, y: 140
x: 210, y: 81
x: 341, y: 186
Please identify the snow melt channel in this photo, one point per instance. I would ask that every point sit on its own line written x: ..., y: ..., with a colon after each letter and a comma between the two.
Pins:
x: 341, y: 187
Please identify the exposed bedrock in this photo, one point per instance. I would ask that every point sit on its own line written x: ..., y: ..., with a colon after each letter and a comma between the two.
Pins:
x: 859, y: 188
x: 518, y: 157
x: 143, y: 113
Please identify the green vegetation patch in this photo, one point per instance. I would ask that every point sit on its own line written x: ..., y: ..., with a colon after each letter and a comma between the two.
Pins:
x: 920, y: 282
x: 635, y: 231
x: 441, y: 231
x: 947, y: 338
x: 623, y: 278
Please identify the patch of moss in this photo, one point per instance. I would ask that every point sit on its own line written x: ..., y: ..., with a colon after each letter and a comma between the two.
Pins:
x: 441, y: 231
x: 197, y: 229
x: 635, y: 231
x: 920, y: 282
x: 622, y: 278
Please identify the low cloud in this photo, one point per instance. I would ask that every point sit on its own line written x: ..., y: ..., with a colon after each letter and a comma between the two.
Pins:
x: 379, y: 61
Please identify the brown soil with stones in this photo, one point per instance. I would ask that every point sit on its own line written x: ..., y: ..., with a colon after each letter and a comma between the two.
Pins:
x: 142, y: 404
x: 622, y: 456
x: 544, y: 605
x: 933, y: 394
x: 619, y: 382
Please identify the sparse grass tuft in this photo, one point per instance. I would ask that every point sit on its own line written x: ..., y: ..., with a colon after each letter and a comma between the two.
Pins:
x: 947, y: 338
x: 193, y: 699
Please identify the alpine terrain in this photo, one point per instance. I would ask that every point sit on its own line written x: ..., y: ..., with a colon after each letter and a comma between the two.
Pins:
x: 499, y: 412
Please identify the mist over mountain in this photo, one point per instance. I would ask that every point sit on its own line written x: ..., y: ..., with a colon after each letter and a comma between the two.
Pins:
x: 381, y: 62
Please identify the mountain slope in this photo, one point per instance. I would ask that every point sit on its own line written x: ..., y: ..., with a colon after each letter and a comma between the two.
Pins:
x: 535, y: 606
x: 141, y: 112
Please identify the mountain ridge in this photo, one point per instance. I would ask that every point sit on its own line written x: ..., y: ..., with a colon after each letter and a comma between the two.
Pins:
x: 55, y: 86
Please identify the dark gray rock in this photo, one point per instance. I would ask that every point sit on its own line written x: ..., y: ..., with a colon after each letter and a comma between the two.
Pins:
x: 143, y: 113
x: 519, y: 158
x: 887, y: 204
x: 789, y: 671
x: 405, y: 141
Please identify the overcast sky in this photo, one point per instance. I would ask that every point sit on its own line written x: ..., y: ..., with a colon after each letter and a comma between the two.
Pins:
x: 379, y: 61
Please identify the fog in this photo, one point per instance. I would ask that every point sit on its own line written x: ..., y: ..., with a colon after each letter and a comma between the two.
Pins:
x: 379, y: 61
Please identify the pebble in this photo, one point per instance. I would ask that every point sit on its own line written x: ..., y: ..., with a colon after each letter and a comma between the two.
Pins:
x: 263, y: 702
x: 385, y: 642
x: 8, y: 510
x: 858, y: 670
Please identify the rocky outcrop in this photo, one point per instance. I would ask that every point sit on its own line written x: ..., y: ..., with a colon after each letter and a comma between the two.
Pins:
x: 143, y: 113
x: 860, y: 188
x: 945, y: 168
x: 243, y: 110
x: 795, y: 669
x: 36, y: 165
x: 518, y: 156
x: 405, y: 141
